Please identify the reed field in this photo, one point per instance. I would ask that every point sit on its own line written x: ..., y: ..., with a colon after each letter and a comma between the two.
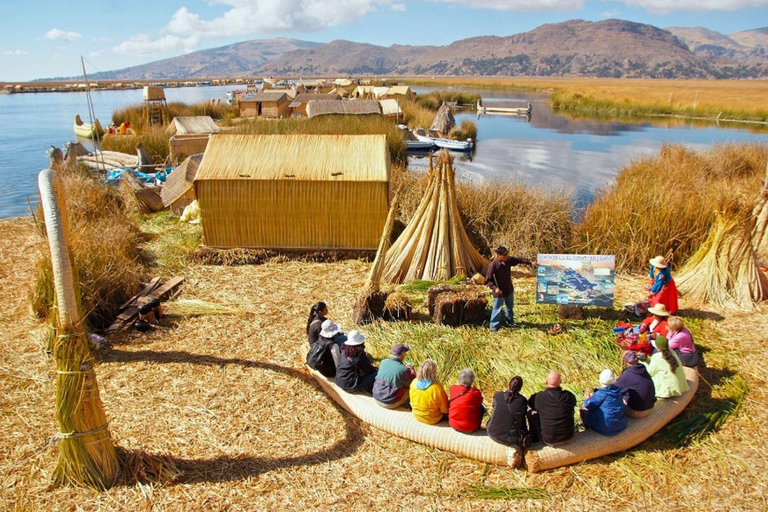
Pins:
x: 134, y: 114
x: 629, y: 97
x: 155, y: 140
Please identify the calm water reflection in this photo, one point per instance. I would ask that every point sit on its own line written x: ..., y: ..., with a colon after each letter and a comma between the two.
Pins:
x: 551, y: 150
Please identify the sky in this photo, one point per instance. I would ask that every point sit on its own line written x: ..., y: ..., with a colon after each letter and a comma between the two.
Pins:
x: 45, y: 38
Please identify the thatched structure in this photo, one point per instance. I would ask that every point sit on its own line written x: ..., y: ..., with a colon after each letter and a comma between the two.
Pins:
x: 300, y: 102
x: 434, y: 245
x: 401, y: 91
x: 444, y: 121
x: 343, y: 107
x: 271, y: 104
x: 179, y: 190
x: 760, y: 214
x: 192, y: 125
x: 390, y: 108
x: 724, y: 270
x: 295, y: 192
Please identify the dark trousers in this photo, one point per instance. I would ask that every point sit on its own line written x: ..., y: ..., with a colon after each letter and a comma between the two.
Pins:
x: 534, y: 425
x: 689, y: 360
x: 365, y: 383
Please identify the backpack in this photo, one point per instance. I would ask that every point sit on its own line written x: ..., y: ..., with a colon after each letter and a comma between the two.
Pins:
x: 319, y: 358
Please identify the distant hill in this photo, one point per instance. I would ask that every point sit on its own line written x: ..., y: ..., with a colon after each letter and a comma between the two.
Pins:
x: 609, y: 48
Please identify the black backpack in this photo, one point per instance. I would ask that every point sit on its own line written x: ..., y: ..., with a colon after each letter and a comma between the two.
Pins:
x: 319, y: 358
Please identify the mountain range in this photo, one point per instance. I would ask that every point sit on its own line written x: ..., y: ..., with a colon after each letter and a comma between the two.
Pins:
x: 609, y: 48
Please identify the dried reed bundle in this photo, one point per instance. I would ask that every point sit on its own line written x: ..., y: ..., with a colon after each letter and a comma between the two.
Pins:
x: 724, y: 270
x: 397, y: 307
x: 86, y: 454
x: 434, y: 246
x: 760, y: 213
x: 197, y: 307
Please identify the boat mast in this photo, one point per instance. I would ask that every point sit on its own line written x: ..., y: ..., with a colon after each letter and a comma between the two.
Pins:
x: 92, y: 119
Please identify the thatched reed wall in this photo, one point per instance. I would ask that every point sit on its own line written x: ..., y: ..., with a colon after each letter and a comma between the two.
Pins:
x: 179, y: 190
x: 272, y: 104
x: 192, y: 125
x: 182, y: 146
x: 294, y: 191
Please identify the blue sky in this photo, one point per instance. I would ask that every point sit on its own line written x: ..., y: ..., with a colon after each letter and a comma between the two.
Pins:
x: 46, y: 38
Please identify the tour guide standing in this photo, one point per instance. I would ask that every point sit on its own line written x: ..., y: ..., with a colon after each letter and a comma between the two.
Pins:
x: 499, y: 280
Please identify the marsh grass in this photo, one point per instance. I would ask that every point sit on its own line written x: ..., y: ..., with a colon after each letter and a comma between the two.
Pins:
x: 168, y: 241
x: 416, y: 115
x: 506, y: 493
x: 433, y: 99
x: 155, y: 140
x: 466, y: 130
x: 134, y: 113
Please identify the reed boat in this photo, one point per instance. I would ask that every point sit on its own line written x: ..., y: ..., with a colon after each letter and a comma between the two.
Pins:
x: 503, y: 110
x: 87, y: 130
x: 452, y: 145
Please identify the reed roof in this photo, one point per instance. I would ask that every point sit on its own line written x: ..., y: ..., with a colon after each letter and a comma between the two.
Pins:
x: 307, y: 97
x: 444, y: 121
x: 390, y: 107
x: 342, y: 107
x: 181, y: 180
x: 296, y: 158
x: 192, y: 125
x: 404, y: 90
x: 261, y: 97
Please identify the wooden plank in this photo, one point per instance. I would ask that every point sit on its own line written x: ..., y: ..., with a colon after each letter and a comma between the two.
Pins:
x: 127, y: 317
x: 144, y: 291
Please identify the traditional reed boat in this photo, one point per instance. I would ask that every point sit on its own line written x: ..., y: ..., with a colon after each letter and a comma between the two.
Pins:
x: 87, y: 130
x: 452, y: 145
x: 503, y: 110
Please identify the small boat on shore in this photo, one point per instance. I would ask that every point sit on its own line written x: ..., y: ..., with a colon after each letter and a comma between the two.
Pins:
x: 452, y: 145
x: 503, y: 110
x: 417, y: 145
x: 87, y: 130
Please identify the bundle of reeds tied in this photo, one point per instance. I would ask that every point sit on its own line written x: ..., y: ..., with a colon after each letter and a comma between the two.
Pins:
x: 434, y: 246
x: 724, y: 270
x: 760, y: 213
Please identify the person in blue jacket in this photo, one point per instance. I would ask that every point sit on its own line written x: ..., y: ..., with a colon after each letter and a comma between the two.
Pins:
x: 604, y: 411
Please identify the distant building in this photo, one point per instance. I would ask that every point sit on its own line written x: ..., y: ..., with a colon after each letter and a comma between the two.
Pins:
x: 299, y: 103
x: 272, y: 104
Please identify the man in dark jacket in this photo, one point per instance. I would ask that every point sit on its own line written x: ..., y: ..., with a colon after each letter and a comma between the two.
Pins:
x: 498, y: 277
x: 638, y: 388
x: 550, y: 413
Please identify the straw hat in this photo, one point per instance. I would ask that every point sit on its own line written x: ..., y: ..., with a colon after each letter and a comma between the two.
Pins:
x: 659, y: 309
x: 328, y: 329
x: 607, y: 378
x: 355, y: 339
x: 658, y: 262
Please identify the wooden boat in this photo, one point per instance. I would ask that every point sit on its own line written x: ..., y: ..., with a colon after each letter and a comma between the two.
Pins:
x: 417, y: 145
x: 87, y: 130
x: 503, y: 110
x: 452, y: 145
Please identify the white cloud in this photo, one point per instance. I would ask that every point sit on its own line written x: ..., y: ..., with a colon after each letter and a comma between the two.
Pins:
x: 14, y: 52
x: 61, y: 35
x: 143, y: 44
x: 519, y: 5
x: 662, y: 6
x: 93, y: 55
x: 398, y: 7
x: 613, y: 13
x: 254, y: 16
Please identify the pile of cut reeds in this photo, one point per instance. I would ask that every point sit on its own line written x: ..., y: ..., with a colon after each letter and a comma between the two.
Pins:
x: 434, y: 245
x: 724, y: 270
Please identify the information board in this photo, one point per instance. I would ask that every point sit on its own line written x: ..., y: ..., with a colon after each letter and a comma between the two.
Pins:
x: 576, y: 279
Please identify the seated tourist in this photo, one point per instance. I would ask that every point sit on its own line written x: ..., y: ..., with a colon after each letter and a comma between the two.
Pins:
x: 465, y: 407
x: 656, y: 321
x: 550, y: 413
x: 666, y: 370
x: 317, y: 314
x: 355, y: 371
x: 390, y: 389
x: 332, y: 337
x: 604, y: 411
x: 681, y: 342
x: 637, y: 387
x: 507, y: 424
x: 429, y: 402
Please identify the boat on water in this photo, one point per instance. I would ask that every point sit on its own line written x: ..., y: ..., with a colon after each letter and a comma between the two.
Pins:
x: 87, y: 130
x: 417, y: 145
x: 503, y: 110
x: 452, y: 145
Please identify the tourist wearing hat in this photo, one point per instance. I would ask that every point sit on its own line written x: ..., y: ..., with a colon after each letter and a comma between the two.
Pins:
x: 604, y: 411
x: 390, y: 388
x: 333, y: 337
x: 355, y: 371
x: 498, y: 277
x: 465, y: 405
x: 636, y: 384
x: 681, y: 341
x: 666, y: 370
x: 656, y: 321
x: 662, y: 289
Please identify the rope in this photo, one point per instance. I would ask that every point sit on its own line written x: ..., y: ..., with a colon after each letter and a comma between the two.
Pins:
x: 51, y: 442
x: 72, y: 435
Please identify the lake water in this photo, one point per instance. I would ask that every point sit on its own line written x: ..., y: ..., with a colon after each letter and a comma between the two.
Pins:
x: 549, y: 150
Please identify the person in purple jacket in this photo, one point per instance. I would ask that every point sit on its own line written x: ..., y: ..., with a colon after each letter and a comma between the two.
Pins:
x: 498, y: 277
x: 636, y: 384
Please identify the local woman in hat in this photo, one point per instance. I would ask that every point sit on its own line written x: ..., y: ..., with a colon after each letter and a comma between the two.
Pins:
x: 666, y: 370
x: 656, y: 321
x: 355, y: 371
x: 662, y: 289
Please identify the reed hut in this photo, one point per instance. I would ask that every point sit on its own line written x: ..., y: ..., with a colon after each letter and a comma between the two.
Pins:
x: 401, y: 91
x: 444, y: 121
x: 343, y: 107
x: 192, y: 125
x: 271, y: 104
x: 179, y: 190
x: 390, y: 108
x: 339, y: 91
x: 294, y: 192
x: 299, y: 104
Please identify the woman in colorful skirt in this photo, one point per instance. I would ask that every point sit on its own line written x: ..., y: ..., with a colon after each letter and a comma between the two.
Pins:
x: 662, y: 289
